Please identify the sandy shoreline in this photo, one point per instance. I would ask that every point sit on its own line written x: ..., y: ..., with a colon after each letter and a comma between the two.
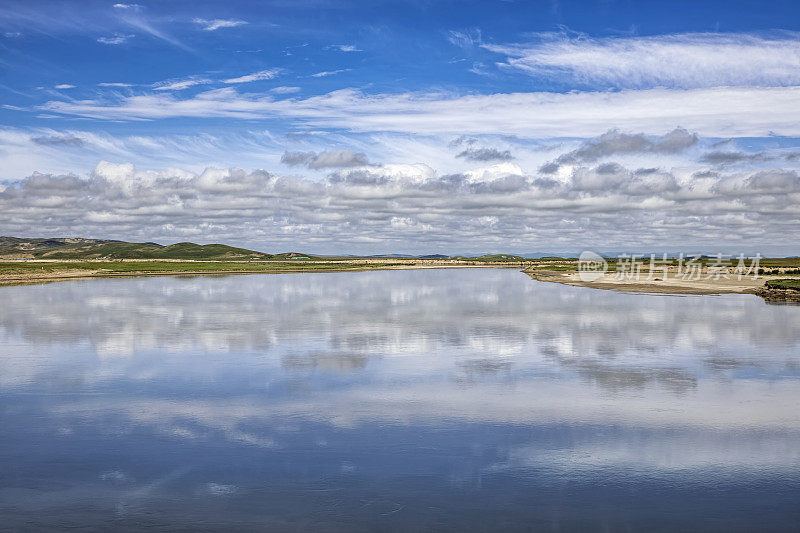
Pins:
x: 669, y: 285
x: 672, y: 284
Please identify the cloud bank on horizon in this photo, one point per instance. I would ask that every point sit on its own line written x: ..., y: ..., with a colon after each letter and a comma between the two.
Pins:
x: 536, y: 127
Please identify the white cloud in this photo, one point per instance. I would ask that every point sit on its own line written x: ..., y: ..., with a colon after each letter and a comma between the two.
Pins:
x: 215, y: 24
x: 326, y: 73
x: 65, y: 86
x: 114, y: 84
x: 614, y: 142
x: 117, y: 38
x: 465, y: 39
x: 256, y: 76
x: 285, y: 90
x: 718, y: 112
x: 142, y: 24
x: 682, y: 60
x: 179, y: 85
x: 493, y: 207
x: 42, y: 149
x: 345, y: 48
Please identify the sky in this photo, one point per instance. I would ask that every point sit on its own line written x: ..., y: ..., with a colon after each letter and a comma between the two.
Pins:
x: 348, y: 127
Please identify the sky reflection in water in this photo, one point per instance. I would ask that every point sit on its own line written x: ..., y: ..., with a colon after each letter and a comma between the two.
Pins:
x: 474, y: 399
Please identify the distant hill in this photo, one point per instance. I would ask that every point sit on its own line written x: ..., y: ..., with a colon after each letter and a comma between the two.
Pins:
x: 492, y: 258
x: 75, y: 248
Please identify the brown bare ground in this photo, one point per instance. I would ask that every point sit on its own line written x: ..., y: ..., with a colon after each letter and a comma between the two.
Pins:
x: 671, y: 285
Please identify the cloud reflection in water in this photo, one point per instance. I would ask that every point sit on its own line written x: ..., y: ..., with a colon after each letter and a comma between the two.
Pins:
x: 550, y: 382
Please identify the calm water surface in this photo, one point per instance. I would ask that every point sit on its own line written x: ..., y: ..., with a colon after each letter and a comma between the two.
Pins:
x: 438, y: 399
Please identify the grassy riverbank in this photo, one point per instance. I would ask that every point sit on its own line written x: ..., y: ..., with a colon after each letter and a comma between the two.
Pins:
x: 785, y: 284
x: 40, y: 271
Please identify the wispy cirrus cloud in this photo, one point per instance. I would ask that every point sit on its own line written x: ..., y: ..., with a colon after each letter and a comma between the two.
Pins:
x: 344, y: 48
x: 117, y: 38
x: 23, y: 151
x: 133, y: 17
x: 179, y: 85
x: 215, y: 24
x: 267, y: 74
x: 712, y: 112
x: 466, y: 39
x: 327, y: 73
x: 285, y: 89
x: 677, y: 60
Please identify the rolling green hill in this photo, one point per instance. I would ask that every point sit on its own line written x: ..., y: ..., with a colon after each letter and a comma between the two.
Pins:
x: 493, y: 258
x: 75, y: 248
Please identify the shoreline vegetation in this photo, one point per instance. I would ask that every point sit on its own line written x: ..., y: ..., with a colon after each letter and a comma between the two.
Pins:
x: 27, y: 261
x: 31, y: 261
x: 774, y: 279
x: 32, y: 271
x: 773, y: 283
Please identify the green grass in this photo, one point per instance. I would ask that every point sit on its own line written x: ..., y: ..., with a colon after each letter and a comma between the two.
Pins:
x: 183, y: 250
x: 788, y: 284
x: 493, y: 258
x: 147, y: 267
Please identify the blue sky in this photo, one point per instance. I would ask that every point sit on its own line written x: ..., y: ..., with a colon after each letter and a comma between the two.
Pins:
x: 417, y: 127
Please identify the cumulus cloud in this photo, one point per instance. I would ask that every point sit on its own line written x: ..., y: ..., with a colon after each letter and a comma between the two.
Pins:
x: 215, y: 24
x: 332, y: 159
x: 773, y: 181
x: 737, y: 157
x: 498, y: 206
x: 614, y: 142
x: 719, y: 112
x: 721, y: 158
x: 729, y: 157
x: 297, y: 158
x: 678, y: 60
x: 486, y: 154
x: 255, y: 76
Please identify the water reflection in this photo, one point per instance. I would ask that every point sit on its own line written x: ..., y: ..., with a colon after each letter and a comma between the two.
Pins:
x: 392, y: 399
